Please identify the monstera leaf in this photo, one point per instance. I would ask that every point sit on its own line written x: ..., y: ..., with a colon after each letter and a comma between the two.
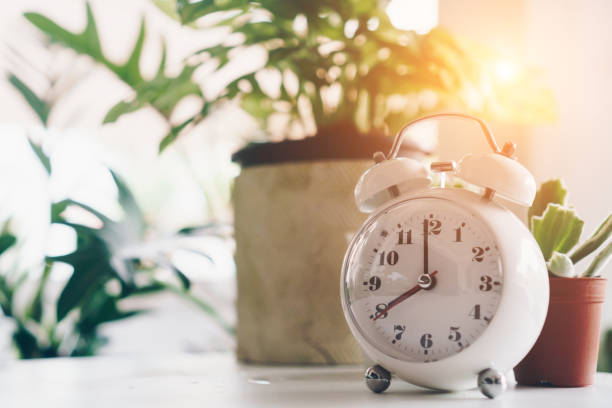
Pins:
x: 558, y: 229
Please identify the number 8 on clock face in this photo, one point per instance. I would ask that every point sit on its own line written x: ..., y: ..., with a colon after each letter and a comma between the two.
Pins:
x: 416, y: 237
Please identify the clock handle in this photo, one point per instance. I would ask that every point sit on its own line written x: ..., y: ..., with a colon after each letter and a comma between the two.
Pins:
x: 507, y: 151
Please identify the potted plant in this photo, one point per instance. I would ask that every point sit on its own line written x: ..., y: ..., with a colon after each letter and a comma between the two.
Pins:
x: 114, y: 260
x: 565, y: 354
x: 340, y: 73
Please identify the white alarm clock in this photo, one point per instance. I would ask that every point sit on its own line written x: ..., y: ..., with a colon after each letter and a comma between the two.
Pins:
x: 444, y: 287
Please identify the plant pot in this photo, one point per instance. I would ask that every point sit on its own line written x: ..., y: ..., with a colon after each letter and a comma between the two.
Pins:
x: 294, y: 216
x: 565, y: 354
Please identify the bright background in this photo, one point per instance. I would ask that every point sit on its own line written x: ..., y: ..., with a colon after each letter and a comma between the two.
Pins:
x: 569, y: 41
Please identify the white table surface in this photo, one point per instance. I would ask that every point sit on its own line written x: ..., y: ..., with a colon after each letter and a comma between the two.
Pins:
x: 217, y: 380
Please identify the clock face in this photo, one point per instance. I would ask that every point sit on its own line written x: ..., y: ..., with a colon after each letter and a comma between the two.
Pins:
x: 423, y: 280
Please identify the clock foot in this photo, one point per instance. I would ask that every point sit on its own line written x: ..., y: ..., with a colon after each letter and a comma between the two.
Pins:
x: 377, y: 378
x: 491, y: 383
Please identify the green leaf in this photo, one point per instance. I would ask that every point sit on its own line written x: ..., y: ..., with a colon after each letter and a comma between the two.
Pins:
x: 162, y: 92
x: 195, y: 229
x: 149, y: 289
x: 182, y: 277
x: 600, y: 261
x: 168, y: 7
x: 40, y: 107
x: 26, y: 342
x: 172, y: 135
x: 42, y: 157
x: 93, y: 260
x: 89, y: 275
x: 101, y: 308
x: 127, y: 200
x: 161, y: 69
x: 558, y: 229
x: 190, y: 11
x: 256, y: 105
x: 260, y: 31
x: 130, y: 71
x: 87, y: 42
x: 35, y: 311
x: 551, y: 191
x: 561, y: 265
x: 7, y: 240
x: 598, y: 238
x: 120, y: 109
x: 175, y: 131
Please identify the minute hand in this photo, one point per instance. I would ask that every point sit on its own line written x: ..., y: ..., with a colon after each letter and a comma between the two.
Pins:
x: 401, y: 298
x: 425, y: 246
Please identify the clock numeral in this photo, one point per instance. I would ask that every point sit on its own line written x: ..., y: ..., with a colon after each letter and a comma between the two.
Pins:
x: 404, y: 237
x: 435, y: 227
x: 454, y: 334
x: 392, y: 257
x: 479, y: 254
x: 380, y: 311
x: 475, y: 312
x: 458, y: 232
x: 426, y: 341
x: 487, y: 283
x: 373, y: 283
x: 398, y: 330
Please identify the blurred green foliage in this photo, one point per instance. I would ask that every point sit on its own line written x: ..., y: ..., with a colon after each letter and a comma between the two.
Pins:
x: 107, y: 269
x: 112, y: 262
x: 605, y: 353
x: 382, y: 76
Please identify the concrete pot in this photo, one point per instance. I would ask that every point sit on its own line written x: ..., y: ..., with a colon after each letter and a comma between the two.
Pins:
x: 294, y: 217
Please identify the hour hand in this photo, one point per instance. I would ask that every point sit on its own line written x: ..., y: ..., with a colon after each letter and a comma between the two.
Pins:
x: 428, y: 283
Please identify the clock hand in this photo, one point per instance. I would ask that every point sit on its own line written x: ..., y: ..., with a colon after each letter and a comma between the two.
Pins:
x: 425, y: 246
x: 406, y: 295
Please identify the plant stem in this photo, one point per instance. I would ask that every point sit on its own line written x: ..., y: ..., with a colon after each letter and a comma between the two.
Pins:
x: 204, y: 306
x: 595, y: 241
x: 35, y: 310
x: 599, y: 262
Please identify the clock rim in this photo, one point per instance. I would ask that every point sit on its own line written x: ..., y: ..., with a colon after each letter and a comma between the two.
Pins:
x: 377, y: 216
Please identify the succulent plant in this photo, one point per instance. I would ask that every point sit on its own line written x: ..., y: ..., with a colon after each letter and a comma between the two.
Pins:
x: 557, y: 229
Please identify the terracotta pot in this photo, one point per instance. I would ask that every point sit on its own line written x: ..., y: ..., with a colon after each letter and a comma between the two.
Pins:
x: 294, y: 213
x: 565, y: 354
